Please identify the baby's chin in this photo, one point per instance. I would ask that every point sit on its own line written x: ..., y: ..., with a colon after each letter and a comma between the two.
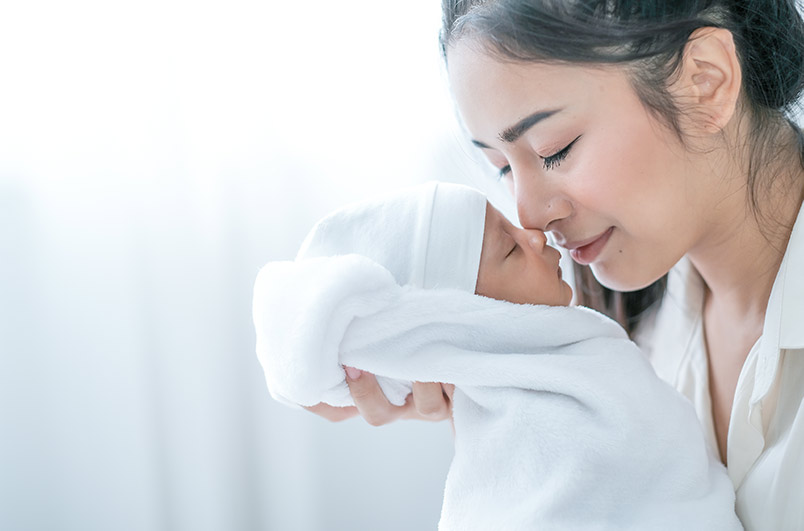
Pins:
x: 569, y: 295
x: 563, y: 299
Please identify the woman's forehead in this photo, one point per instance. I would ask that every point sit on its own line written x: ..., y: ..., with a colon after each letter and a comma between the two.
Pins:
x: 493, y: 94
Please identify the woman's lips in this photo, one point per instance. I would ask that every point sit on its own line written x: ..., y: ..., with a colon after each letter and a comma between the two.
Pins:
x: 585, y: 252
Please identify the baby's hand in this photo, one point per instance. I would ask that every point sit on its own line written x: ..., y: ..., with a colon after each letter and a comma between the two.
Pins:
x: 429, y: 401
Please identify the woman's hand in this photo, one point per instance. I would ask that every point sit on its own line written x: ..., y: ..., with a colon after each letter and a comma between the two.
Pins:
x: 429, y: 401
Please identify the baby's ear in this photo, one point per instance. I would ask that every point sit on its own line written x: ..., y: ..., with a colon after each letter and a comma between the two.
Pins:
x: 709, y: 79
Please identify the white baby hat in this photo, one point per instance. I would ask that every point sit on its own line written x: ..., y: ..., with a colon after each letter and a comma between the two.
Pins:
x: 427, y: 236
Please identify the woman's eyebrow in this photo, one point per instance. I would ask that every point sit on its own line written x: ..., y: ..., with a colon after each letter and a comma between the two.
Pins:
x: 511, y: 134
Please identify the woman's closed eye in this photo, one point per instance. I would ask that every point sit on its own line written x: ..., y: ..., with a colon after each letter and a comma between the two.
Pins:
x: 553, y: 161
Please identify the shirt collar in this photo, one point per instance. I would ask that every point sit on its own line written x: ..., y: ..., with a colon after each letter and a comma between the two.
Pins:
x: 686, y: 287
x: 790, y: 281
x: 784, y: 315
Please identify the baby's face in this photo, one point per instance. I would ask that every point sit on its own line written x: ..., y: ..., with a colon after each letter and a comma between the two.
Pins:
x: 517, y: 265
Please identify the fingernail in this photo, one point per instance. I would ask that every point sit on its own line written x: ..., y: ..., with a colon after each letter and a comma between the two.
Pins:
x: 352, y: 373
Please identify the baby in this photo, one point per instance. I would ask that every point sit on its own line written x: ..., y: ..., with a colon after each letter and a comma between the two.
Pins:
x: 560, y: 423
x: 517, y: 265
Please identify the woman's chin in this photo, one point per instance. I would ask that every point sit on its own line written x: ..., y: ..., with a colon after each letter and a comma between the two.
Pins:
x: 619, y: 280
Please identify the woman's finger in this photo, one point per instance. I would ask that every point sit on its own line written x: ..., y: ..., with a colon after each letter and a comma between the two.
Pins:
x: 370, y: 400
x: 430, y: 400
x: 332, y: 413
x: 449, y: 391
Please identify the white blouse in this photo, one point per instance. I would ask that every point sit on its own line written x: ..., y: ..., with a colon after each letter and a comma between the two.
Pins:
x: 766, y: 432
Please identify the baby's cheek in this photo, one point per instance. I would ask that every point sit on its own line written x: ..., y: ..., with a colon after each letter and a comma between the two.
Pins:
x: 482, y: 287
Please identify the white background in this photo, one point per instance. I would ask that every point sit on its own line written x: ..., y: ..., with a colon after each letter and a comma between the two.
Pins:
x: 153, y: 155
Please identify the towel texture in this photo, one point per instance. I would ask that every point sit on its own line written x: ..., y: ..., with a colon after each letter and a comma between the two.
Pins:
x: 560, y: 423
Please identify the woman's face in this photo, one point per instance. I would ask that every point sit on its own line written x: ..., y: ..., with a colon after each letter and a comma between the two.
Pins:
x: 585, y: 160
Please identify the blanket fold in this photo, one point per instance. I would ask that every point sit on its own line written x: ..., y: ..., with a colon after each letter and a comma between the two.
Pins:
x: 560, y: 422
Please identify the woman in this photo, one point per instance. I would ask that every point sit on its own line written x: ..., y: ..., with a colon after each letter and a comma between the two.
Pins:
x: 652, y: 140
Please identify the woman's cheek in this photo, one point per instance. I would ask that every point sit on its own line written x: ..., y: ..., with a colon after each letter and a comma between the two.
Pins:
x: 509, y: 185
x: 595, y: 186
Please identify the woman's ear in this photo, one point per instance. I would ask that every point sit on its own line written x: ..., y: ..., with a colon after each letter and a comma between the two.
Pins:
x: 709, y: 80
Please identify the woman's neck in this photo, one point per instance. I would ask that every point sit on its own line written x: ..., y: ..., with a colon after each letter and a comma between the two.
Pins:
x: 743, y: 249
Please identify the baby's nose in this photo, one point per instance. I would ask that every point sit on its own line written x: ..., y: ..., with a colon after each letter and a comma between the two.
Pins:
x: 536, y: 238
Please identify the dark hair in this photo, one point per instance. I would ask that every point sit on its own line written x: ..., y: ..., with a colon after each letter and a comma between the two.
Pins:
x: 648, y: 38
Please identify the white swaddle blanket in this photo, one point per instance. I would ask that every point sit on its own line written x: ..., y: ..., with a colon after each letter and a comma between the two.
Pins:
x: 560, y: 422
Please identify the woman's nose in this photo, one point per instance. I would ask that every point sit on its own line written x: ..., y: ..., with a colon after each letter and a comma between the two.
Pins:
x: 537, y: 205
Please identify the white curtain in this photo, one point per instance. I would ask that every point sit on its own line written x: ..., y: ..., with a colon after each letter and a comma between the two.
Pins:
x: 153, y: 155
